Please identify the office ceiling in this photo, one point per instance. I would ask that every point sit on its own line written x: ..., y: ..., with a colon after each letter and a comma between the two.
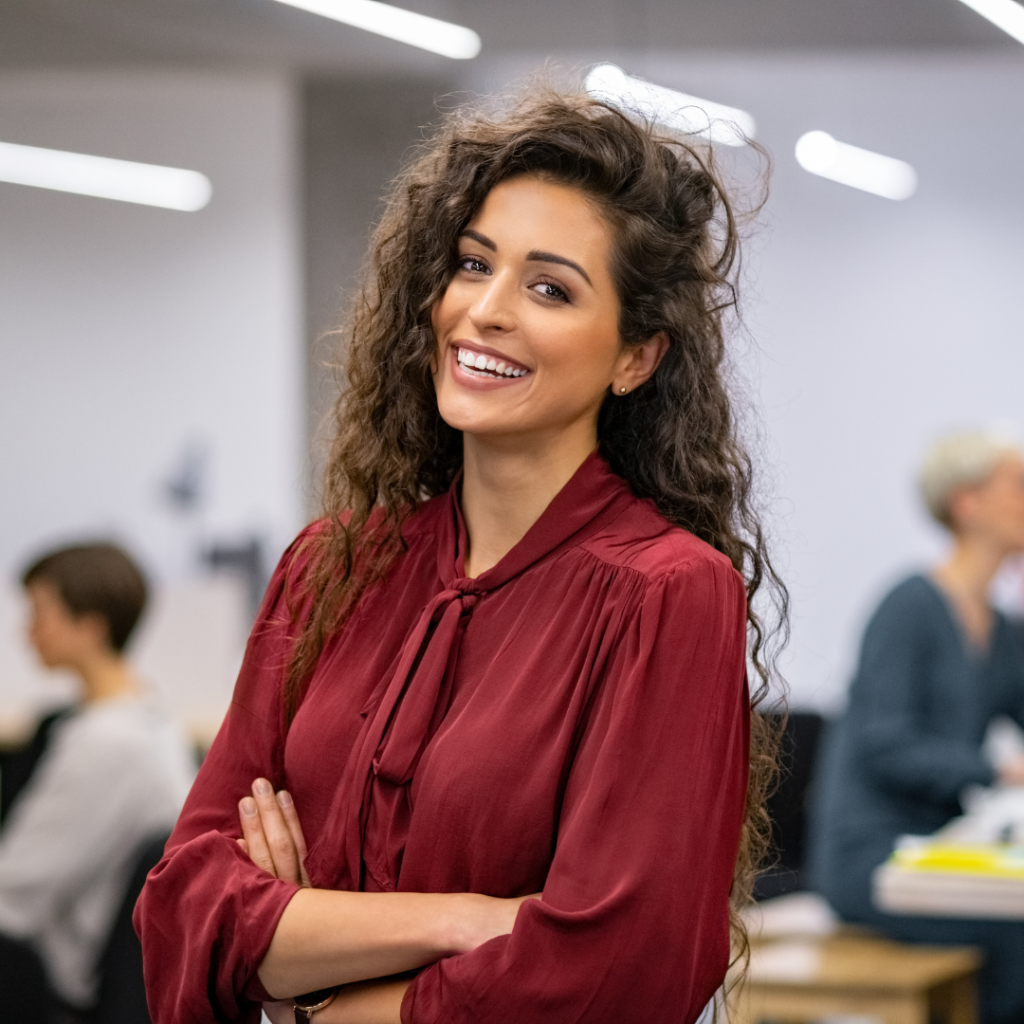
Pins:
x: 264, y: 34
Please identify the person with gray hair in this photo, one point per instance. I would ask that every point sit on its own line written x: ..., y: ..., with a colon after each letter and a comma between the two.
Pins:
x: 937, y: 664
x: 959, y: 461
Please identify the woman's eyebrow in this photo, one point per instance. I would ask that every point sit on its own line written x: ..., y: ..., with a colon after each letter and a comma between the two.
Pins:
x: 537, y: 256
x: 534, y: 256
x: 477, y: 237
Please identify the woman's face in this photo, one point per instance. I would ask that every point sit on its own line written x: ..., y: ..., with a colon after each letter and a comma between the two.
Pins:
x: 994, y: 509
x: 527, y: 330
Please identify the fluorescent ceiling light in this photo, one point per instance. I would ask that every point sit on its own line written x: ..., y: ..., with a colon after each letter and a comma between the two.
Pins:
x: 820, y: 154
x: 677, y: 111
x: 1009, y: 16
x: 441, y: 37
x: 148, y: 184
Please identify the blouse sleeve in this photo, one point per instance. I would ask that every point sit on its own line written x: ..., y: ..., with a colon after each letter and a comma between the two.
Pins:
x: 207, y: 913
x: 889, y: 731
x: 634, y: 921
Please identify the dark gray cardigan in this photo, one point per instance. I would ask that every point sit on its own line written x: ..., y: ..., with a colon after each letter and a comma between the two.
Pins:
x: 909, y: 741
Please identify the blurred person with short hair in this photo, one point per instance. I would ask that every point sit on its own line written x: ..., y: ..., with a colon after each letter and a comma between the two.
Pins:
x: 114, y: 773
x: 937, y: 664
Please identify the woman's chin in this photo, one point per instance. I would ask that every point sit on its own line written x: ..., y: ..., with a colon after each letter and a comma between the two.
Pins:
x: 466, y: 414
x: 474, y: 427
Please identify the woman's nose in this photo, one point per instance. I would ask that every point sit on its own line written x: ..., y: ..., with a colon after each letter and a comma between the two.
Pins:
x: 494, y: 306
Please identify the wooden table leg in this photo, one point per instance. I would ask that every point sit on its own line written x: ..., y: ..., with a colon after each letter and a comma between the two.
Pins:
x: 907, y: 1009
x: 956, y: 1001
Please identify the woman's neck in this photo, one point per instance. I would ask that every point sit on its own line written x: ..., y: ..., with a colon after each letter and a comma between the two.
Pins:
x: 966, y: 577
x: 507, y: 485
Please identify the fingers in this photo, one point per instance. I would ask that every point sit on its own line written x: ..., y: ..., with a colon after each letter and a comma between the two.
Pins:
x: 252, y: 835
x: 291, y: 819
x: 278, y: 836
x: 272, y: 834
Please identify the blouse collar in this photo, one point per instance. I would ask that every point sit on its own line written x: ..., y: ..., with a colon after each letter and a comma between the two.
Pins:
x: 591, y: 492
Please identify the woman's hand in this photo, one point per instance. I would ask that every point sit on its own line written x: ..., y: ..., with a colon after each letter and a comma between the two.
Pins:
x: 473, y: 920
x: 271, y: 833
x: 327, y: 938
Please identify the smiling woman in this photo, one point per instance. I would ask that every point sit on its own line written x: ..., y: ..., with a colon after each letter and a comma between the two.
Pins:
x: 495, y: 705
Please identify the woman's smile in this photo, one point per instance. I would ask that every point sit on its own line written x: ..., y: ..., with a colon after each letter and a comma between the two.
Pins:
x: 479, y: 362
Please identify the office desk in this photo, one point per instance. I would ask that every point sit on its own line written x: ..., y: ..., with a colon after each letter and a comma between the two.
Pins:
x: 855, y: 976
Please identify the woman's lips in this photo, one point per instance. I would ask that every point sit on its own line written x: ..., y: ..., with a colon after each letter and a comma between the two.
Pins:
x: 478, y: 366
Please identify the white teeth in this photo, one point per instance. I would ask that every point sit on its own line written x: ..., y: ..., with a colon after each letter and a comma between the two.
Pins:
x: 489, y: 365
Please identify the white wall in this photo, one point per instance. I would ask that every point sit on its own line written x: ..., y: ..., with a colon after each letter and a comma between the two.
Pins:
x: 128, y: 332
x: 874, y: 324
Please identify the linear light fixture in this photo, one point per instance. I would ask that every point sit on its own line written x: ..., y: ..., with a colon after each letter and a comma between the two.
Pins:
x: 130, y: 182
x: 455, y: 41
x: 821, y: 154
x: 1006, y: 14
x: 677, y: 111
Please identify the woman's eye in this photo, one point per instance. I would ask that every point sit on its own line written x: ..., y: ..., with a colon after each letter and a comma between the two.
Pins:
x: 550, y: 290
x: 473, y: 265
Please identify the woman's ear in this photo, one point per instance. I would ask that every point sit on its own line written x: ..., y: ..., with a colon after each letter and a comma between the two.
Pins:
x: 639, y: 362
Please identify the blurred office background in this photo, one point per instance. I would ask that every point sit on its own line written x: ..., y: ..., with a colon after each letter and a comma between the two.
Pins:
x: 162, y: 373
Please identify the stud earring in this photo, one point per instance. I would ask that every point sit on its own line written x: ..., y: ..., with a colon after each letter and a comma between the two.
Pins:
x: 622, y: 390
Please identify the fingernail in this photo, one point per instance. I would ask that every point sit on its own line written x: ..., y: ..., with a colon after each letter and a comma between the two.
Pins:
x: 261, y: 787
x: 248, y: 806
x: 284, y: 798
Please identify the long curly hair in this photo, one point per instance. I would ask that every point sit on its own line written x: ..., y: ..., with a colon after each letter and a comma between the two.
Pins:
x: 674, y: 439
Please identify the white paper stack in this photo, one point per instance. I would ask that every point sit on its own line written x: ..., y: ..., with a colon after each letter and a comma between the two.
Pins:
x: 950, y: 875
x: 898, y: 890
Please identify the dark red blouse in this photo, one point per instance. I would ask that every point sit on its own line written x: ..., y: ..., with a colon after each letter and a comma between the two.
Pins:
x: 574, y: 720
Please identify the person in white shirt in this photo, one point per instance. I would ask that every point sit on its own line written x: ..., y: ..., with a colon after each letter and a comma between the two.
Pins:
x: 115, y: 772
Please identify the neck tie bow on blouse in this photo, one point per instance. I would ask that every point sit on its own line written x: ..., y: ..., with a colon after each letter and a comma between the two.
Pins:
x: 402, y: 721
x: 428, y: 653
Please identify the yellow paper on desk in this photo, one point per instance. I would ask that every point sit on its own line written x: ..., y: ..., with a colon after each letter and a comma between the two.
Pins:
x: 994, y: 860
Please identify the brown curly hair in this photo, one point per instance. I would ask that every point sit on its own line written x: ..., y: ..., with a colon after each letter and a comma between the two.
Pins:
x: 674, y: 439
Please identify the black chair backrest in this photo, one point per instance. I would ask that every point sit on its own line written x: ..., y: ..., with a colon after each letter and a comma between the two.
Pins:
x: 122, y: 993
x: 17, y: 766
x: 25, y: 993
x: 787, y: 806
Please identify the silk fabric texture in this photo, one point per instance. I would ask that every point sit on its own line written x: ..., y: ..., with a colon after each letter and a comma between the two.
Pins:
x: 575, y: 721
